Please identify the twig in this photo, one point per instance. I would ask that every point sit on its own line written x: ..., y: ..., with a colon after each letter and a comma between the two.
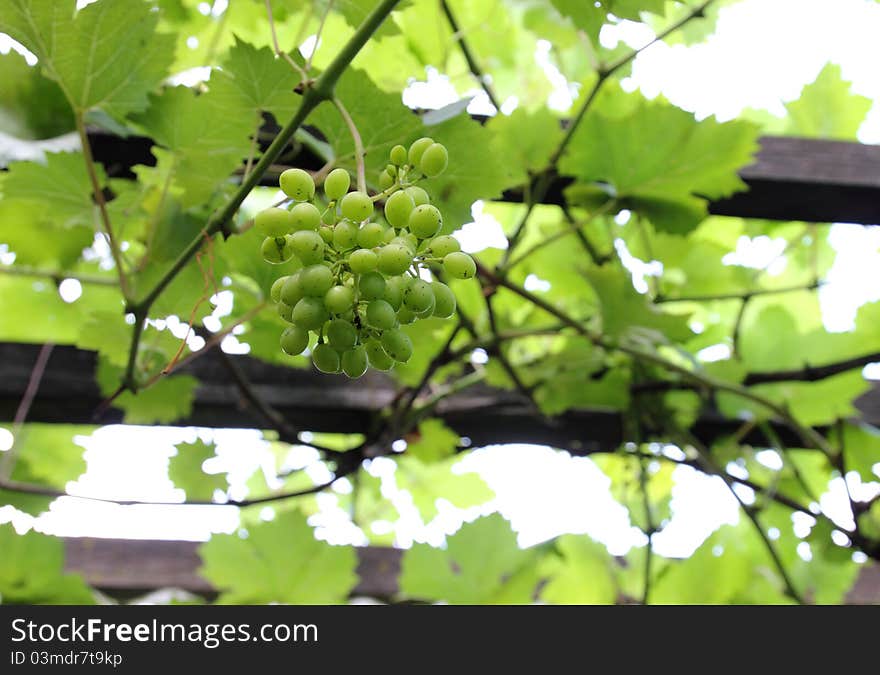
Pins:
x: 473, y: 66
x: 744, y: 295
x: 57, y: 275
x: 358, y: 144
x: 318, y: 34
x: 278, y: 51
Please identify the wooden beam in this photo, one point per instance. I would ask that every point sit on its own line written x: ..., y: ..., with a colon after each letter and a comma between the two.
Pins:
x: 68, y: 394
x: 802, y: 179
x: 127, y: 568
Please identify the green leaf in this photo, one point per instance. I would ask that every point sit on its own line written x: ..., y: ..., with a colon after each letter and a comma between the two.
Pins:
x: 525, y: 139
x: 429, y: 482
x: 168, y: 400
x: 106, y: 332
x: 31, y: 106
x: 581, y: 573
x: 32, y: 571
x: 186, y: 472
x: 482, y: 564
x: 279, y: 561
x: 432, y: 442
x: 659, y: 156
x: 106, y: 55
x: 827, y: 108
x: 861, y: 450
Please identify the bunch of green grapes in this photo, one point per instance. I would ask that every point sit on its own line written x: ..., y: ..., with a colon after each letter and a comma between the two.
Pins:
x: 359, y: 278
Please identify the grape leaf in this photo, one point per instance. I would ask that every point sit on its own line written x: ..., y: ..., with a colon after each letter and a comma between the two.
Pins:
x: 32, y: 571
x: 432, y: 442
x: 39, y: 241
x: 167, y: 400
x: 185, y: 469
x: 827, y: 108
x: 482, y: 564
x: 31, y: 106
x: 861, y: 450
x: 279, y: 561
x: 107, y: 55
x: 427, y: 483
x: 580, y: 574
x: 525, y: 139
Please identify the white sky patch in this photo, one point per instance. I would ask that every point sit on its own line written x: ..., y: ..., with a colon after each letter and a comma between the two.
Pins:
x: 484, y: 232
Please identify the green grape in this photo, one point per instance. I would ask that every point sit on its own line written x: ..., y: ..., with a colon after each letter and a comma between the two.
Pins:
x: 434, y: 160
x: 386, y: 180
x: 354, y: 362
x: 291, y: 291
x: 326, y: 234
x: 377, y: 356
x: 326, y: 359
x: 381, y: 315
x: 443, y: 246
x: 297, y: 184
x: 388, y: 235
x: 425, y: 221
x: 362, y: 260
x: 397, y: 345
x: 277, y: 250
x: 339, y: 299
x: 285, y: 311
x: 336, y: 184
x: 405, y: 315
x: 459, y: 265
x: 394, y: 288
x: 417, y: 149
x: 418, y: 195
x: 398, y: 155
x: 428, y: 312
x: 418, y: 295
x: 315, y: 280
x: 308, y: 246
x: 275, y: 291
x: 394, y: 259
x: 309, y: 313
x: 294, y: 340
x: 273, y: 222
x: 357, y: 206
x: 444, y: 300
x: 391, y: 170
x: 397, y: 209
x: 409, y: 242
x: 305, y: 216
x: 329, y: 216
x: 341, y: 335
x: 345, y: 235
x: 370, y: 235
x: 371, y: 286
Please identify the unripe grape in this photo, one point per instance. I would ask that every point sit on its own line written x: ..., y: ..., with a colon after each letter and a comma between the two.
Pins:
x: 386, y: 180
x: 336, y: 184
x: 409, y: 242
x: 354, y: 362
x: 417, y: 149
x: 315, y: 280
x: 388, y: 235
x: 308, y: 246
x: 370, y: 235
x: 444, y: 300
x: 339, y: 299
x: 273, y: 222
x: 459, y: 265
x: 391, y: 170
x: 428, y: 312
x: 285, y: 311
x: 418, y: 295
x: 357, y: 206
x: 344, y: 235
x: 275, y: 291
x: 326, y: 359
x: 425, y: 221
x: 362, y: 260
x: 397, y: 209
x: 297, y: 184
x: 377, y: 356
x: 398, y: 155
x: 381, y: 315
x: 291, y: 291
x: 397, y: 345
x: 434, y: 160
x: 326, y: 234
x: 418, y: 195
x: 443, y: 246
x: 309, y: 313
x: 394, y: 288
x: 305, y: 216
x: 394, y: 259
x: 341, y: 335
x: 294, y: 340
x: 329, y: 216
x: 371, y: 286
x: 405, y: 315
x: 277, y: 250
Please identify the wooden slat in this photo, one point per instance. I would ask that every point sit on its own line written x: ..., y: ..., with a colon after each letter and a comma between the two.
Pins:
x: 124, y: 568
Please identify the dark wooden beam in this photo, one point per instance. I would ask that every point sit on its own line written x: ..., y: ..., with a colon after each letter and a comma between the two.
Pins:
x: 309, y: 400
x: 791, y: 179
x: 125, y: 568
